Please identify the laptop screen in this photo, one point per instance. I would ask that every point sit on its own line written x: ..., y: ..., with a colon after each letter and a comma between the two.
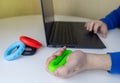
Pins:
x: 48, y: 16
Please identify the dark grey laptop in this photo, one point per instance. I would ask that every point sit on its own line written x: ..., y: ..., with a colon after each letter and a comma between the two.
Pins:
x: 70, y: 34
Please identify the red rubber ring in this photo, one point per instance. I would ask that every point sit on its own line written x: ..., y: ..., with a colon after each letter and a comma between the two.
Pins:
x: 30, y: 42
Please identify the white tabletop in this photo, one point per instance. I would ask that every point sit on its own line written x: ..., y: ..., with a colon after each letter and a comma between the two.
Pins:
x: 31, y: 69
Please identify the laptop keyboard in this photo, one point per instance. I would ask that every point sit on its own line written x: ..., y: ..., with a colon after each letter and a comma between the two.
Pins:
x: 63, y: 34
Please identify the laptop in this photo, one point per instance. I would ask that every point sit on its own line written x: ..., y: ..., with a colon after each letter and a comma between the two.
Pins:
x: 69, y: 34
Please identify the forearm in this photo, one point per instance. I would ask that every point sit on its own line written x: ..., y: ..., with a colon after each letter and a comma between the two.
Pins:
x: 98, y: 61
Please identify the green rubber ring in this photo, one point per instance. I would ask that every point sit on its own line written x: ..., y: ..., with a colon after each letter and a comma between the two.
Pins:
x: 59, y: 61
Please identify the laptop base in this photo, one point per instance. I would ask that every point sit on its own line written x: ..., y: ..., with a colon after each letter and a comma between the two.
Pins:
x: 73, y: 35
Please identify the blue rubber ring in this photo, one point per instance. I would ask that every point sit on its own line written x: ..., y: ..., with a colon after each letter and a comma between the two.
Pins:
x: 14, y: 51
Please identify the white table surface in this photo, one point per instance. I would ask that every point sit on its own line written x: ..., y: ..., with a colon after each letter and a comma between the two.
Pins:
x: 31, y: 69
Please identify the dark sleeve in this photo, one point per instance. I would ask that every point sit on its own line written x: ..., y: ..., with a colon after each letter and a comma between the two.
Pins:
x: 115, y: 59
x: 113, y: 19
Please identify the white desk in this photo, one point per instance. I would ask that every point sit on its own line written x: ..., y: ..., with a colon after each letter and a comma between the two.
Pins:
x: 31, y: 69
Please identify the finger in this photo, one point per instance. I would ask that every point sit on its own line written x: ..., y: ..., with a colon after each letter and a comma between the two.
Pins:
x: 91, y: 26
x: 87, y: 25
x: 96, y: 27
x: 104, y: 32
x: 47, y: 69
x: 49, y: 59
x: 59, y: 52
x: 104, y: 35
x: 66, y: 71
x: 61, y: 72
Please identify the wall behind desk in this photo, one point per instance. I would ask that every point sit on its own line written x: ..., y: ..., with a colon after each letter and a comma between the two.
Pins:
x: 10, y: 8
x: 94, y: 9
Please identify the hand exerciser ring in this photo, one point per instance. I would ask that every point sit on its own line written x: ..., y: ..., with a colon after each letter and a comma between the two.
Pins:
x: 17, y: 47
x: 30, y: 42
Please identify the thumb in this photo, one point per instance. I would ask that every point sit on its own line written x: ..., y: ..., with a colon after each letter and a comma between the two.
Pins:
x: 65, y: 70
x: 62, y: 72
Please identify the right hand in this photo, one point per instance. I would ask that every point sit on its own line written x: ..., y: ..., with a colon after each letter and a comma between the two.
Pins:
x: 79, y: 61
x: 76, y: 62
x: 97, y: 26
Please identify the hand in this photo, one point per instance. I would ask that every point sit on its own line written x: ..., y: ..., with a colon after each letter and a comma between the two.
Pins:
x: 96, y: 26
x: 76, y: 62
x: 79, y: 61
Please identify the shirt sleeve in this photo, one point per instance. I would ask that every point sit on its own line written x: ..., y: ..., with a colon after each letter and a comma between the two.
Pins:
x: 113, y: 19
x: 115, y: 59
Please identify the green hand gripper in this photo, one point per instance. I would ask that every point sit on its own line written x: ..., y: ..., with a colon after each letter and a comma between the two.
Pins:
x: 58, y: 61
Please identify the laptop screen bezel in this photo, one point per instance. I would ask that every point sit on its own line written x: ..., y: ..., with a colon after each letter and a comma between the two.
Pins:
x: 47, y: 25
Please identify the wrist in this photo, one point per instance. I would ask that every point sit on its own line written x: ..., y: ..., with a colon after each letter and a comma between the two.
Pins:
x: 98, y: 61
